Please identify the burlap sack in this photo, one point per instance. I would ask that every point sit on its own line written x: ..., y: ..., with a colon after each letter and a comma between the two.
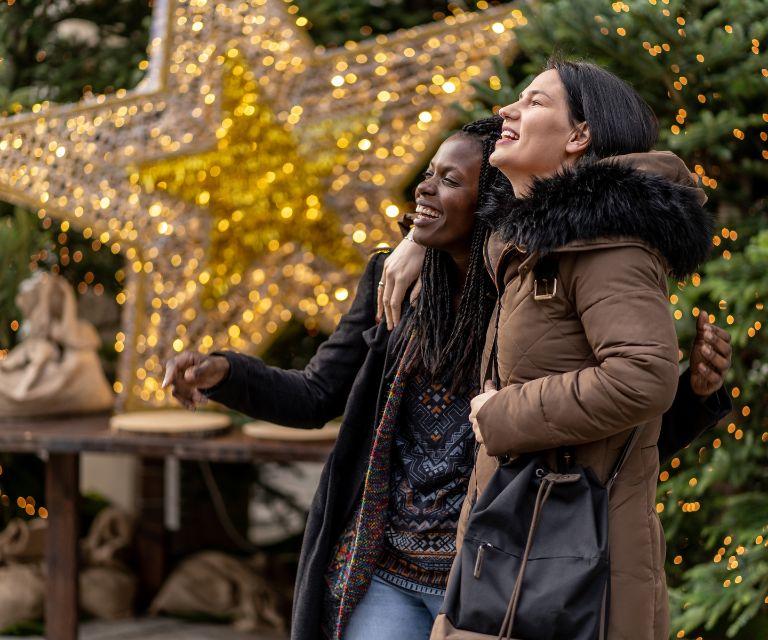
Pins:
x: 22, y: 594
x: 22, y: 586
x: 107, y: 593
x: 23, y: 541
x: 110, y: 535
x: 55, y: 369
x: 215, y: 584
x: 107, y: 587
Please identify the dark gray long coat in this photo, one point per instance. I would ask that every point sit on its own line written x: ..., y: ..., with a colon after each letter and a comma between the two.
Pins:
x: 346, y: 377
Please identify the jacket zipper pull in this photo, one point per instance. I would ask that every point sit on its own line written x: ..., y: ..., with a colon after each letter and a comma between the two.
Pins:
x: 479, y: 559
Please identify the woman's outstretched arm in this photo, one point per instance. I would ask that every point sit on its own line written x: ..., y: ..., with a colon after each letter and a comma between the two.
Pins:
x: 306, y: 398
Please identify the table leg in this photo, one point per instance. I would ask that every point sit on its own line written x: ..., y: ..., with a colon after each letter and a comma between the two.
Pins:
x: 62, y: 477
x: 151, y: 536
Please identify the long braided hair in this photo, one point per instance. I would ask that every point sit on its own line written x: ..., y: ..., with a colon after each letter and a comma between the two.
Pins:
x: 449, y: 345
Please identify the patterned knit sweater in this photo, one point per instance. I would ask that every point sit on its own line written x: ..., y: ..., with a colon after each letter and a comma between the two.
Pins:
x: 433, y: 480
x: 432, y: 457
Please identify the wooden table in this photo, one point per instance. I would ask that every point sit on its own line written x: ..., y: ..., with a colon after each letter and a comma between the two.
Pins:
x: 61, y: 440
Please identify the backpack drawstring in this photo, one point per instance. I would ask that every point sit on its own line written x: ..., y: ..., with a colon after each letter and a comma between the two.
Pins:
x: 545, y: 488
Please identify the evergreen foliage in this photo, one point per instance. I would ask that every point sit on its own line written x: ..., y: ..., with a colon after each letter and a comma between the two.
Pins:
x: 21, y: 244
x: 333, y: 22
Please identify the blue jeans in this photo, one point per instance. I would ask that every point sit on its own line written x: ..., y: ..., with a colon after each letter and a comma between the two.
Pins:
x: 387, y: 612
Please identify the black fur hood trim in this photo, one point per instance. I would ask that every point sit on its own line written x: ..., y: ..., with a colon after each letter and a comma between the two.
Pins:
x: 604, y: 200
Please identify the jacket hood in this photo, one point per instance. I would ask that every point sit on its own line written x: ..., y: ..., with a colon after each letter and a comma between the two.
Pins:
x: 650, y: 197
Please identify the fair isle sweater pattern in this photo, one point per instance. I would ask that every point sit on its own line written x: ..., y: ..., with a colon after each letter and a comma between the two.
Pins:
x: 432, y: 460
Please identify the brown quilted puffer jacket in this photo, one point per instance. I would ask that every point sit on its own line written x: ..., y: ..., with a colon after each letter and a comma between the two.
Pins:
x: 600, y: 356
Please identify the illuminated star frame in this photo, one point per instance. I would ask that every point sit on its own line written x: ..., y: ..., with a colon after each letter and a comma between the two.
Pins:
x: 384, y: 103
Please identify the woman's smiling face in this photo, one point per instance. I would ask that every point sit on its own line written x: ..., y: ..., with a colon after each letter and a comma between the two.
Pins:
x: 446, y: 198
x: 538, y: 137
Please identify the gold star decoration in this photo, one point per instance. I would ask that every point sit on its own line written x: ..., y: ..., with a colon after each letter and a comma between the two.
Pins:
x: 249, y: 174
x: 263, y: 189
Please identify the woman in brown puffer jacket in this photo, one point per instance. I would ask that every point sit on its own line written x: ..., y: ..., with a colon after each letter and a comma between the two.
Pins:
x: 586, y: 355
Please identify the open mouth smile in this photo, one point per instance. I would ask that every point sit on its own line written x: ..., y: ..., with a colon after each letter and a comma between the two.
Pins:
x: 508, y: 135
x: 426, y: 215
x: 429, y: 212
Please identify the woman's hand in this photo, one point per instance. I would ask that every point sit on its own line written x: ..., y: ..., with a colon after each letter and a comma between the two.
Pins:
x: 191, y: 371
x: 477, y: 403
x: 710, y: 357
x: 401, y: 269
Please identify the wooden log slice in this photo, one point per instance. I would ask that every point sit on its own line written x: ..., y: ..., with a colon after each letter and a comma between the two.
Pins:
x: 268, y: 431
x: 172, y: 422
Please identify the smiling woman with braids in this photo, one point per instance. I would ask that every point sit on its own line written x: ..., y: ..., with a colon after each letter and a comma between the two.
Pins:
x: 450, y: 329
x: 381, y: 534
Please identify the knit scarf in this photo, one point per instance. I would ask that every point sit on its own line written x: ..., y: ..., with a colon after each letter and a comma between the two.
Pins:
x: 357, y: 552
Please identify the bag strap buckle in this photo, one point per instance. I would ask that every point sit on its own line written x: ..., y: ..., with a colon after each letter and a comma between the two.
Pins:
x: 546, y: 294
